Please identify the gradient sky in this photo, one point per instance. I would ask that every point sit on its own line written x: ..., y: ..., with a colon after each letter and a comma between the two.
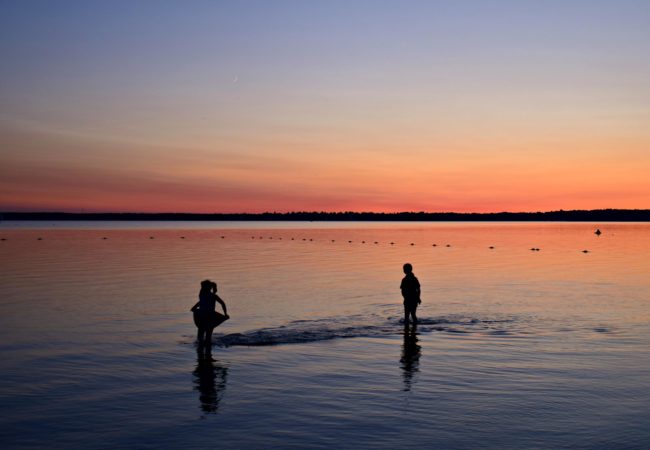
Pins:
x: 231, y: 106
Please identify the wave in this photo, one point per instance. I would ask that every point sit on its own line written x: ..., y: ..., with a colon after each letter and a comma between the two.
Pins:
x: 303, y: 331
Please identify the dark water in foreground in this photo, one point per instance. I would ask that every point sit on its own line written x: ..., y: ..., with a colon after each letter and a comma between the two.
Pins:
x: 516, y: 348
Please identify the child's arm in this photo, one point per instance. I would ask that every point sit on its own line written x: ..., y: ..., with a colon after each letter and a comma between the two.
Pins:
x: 223, y: 305
x: 193, y: 308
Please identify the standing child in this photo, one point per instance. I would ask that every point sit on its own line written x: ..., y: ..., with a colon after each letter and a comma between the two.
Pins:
x: 411, y: 292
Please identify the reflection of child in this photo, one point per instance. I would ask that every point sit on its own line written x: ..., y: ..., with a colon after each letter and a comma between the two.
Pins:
x: 411, y: 292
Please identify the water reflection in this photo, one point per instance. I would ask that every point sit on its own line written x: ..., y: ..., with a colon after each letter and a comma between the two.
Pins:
x: 410, y: 360
x: 210, y: 380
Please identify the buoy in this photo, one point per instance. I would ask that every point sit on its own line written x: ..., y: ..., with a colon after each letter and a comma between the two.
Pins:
x: 598, y: 232
x: 150, y: 237
x: 585, y: 251
x: 223, y: 237
x: 448, y: 245
x: 104, y: 238
x: 363, y: 242
x: 182, y: 237
x: 376, y: 242
x: 434, y: 245
x: 491, y: 247
x: 392, y: 243
x: 412, y: 243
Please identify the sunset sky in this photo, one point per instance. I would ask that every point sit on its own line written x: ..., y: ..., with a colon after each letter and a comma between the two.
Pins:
x: 251, y: 106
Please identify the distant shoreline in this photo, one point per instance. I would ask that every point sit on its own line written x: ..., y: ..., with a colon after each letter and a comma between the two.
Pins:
x: 597, y: 215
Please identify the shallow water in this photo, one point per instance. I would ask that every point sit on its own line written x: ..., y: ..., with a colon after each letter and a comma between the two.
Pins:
x: 516, y: 348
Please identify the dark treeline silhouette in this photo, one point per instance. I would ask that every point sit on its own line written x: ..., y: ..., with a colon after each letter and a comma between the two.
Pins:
x: 596, y: 215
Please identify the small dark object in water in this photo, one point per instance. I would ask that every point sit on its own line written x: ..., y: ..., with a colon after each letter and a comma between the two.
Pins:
x: 448, y: 245
x: 223, y: 237
x: 350, y: 242
x: 534, y: 249
x: 292, y: 239
x: 150, y: 237
x: 392, y: 243
x: 585, y: 251
x: 182, y: 237
x: 304, y: 239
x: 270, y: 237
x: 333, y: 240
x: 363, y: 242
x: 434, y: 245
x: 104, y: 238
x: 597, y: 232
x: 376, y: 242
x: 3, y: 239
x: 39, y: 239
x: 491, y: 247
x: 311, y: 239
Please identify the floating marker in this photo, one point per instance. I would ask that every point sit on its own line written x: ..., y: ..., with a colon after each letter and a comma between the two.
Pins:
x: 412, y: 243
x: 585, y: 251
x: 491, y: 247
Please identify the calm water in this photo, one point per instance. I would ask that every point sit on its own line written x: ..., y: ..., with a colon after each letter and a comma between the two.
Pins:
x: 516, y: 348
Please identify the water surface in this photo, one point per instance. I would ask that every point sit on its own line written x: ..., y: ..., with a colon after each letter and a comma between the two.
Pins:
x: 517, y: 348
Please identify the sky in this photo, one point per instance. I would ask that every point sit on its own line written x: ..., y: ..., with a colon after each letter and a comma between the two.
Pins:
x: 304, y: 105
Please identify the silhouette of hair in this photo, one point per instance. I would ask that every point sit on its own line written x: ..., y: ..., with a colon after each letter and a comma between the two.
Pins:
x: 206, y: 284
x: 408, y: 268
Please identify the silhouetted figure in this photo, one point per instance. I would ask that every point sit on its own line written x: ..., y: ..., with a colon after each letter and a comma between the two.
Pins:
x: 410, y: 360
x: 210, y: 381
x: 411, y: 292
x: 598, y: 232
x: 205, y: 316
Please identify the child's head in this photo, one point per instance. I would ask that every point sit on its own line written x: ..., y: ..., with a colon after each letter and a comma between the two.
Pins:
x: 206, y: 284
x: 408, y: 268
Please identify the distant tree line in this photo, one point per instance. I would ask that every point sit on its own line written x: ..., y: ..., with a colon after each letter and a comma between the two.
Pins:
x: 596, y: 215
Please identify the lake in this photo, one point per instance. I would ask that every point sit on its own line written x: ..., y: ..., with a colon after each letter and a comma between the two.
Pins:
x: 516, y: 347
